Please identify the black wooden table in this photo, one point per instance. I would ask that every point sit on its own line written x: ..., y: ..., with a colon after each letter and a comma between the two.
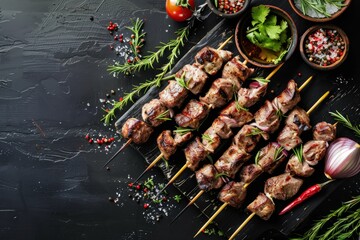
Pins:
x: 53, y: 81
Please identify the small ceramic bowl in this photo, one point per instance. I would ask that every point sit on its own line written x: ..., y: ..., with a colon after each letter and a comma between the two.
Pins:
x: 244, y: 4
x: 298, y: 11
x: 321, y: 52
x: 243, y: 44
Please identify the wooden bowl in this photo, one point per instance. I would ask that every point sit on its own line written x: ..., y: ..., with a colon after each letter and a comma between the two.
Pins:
x: 317, y: 19
x: 241, y: 40
x: 330, y: 66
x: 215, y: 10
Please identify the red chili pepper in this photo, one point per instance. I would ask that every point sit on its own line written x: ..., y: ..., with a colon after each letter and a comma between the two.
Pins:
x: 305, y: 195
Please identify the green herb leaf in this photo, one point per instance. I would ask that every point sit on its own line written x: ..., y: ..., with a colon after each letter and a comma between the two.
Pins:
x: 278, y: 154
x: 177, y: 198
x: 259, y: 14
x: 181, y: 81
x: 149, y: 183
x: 344, y: 120
x: 163, y: 116
x: 207, y: 138
x: 257, y: 156
x: 183, y: 131
x: 299, y: 153
x: 220, y: 175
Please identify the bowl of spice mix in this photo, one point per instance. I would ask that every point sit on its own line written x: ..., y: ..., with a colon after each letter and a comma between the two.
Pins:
x: 228, y: 8
x: 324, y: 47
x: 319, y: 10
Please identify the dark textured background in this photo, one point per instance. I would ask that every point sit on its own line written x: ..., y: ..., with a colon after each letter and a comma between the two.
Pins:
x: 53, y: 62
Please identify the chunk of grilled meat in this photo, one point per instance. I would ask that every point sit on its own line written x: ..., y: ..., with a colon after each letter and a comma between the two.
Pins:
x: 250, y: 172
x: 194, y: 78
x: 221, y: 129
x: 136, y: 130
x: 270, y: 156
x: 262, y: 206
x: 289, y: 137
x: 173, y: 95
x: 211, y: 60
x: 211, y: 140
x: 155, y: 113
x: 283, y: 186
x: 231, y: 161
x: 166, y: 144
x: 181, y: 138
x: 235, y: 117
x: 314, y: 151
x: 288, y: 98
x: 247, y: 138
x: 194, y: 153
x: 207, y: 178
x: 192, y: 114
x: 236, y: 70
x: 247, y: 97
x: 295, y: 167
x: 299, y: 118
x: 221, y: 91
x: 233, y: 193
x: 324, y: 131
x: 267, y: 118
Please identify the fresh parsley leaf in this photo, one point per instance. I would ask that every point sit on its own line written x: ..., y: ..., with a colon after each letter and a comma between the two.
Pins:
x: 259, y: 14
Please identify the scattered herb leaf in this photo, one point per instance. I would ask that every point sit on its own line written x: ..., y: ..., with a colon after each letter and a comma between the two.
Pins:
x: 344, y: 120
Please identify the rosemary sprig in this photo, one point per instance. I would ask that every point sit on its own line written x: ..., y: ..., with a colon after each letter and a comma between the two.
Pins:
x: 278, y: 153
x: 163, y: 116
x: 237, y: 104
x: 220, y: 175
x: 207, y: 138
x: 137, y: 39
x: 319, y: 6
x: 183, y: 131
x: 257, y: 156
x: 343, y: 227
x: 260, y: 80
x: 181, y: 81
x: 255, y: 132
x: 299, y: 153
x: 344, y: 120
x: 216, y: 3
x: 148, y: 61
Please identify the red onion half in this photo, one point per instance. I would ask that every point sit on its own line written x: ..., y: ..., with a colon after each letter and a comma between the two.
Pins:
x: 342, y: 159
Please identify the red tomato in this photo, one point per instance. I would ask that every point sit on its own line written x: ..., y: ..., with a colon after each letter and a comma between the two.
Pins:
x: 179, y: 13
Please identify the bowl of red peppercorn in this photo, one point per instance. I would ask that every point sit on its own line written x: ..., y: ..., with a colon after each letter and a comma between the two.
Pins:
x: 228, y: 8
x: 324, y: 47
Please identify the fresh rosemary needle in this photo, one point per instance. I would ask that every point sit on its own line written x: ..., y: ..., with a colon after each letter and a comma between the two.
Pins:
x: 344, y: 120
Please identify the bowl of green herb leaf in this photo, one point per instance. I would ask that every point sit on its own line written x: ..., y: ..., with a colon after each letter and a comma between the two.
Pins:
x: 319, y: 10
x: 266, y: 36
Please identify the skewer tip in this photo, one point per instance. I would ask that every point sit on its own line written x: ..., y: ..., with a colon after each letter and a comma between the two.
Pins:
x: 119, y: 151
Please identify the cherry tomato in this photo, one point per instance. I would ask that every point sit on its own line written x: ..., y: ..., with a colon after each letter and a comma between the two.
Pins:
x: 179, y: 13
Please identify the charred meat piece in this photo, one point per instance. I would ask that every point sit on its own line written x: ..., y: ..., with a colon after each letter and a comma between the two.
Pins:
x: 270, y: 156
x: 314, y: 151
x: 155, y: 113
x: 236, y: 70
x: 247, y: 97
x: 324, y: 131
x: 210, y: 140
x: 173, y: 95
x: 231, y: 161
x: 267, y: 118
x: 298, y: 117
x: 211, y: 60
x: 295, y: 167
x: 283, y: 186
x: 288, y: 98
x: 207, y: 178
x: 262, y: 206
x: 136, y: 130
x: 249, y: 173
x: 289, y: 137
x: 194, y: 153
x: 233, y: 193
x: 194, y: 78
x: 181, y: 138
x: 221, y: 129
x: 221, y: 91
x: 166, y: 144
x: 192, y: 114
x: 247, y: 138
x: 234, y: 116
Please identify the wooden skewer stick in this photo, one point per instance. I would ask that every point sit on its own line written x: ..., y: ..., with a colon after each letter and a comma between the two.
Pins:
x: 117, y: 153
x: 188, y: 205
x: 165, y: 78
x: 242, y: 226
x: 246, y: 185
x: 152, y: 164
x: 185, y: 166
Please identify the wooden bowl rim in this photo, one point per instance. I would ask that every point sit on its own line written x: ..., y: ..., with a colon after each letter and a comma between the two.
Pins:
x: 313, y: 19
x: 293, y: 30
x: 325, y: 26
